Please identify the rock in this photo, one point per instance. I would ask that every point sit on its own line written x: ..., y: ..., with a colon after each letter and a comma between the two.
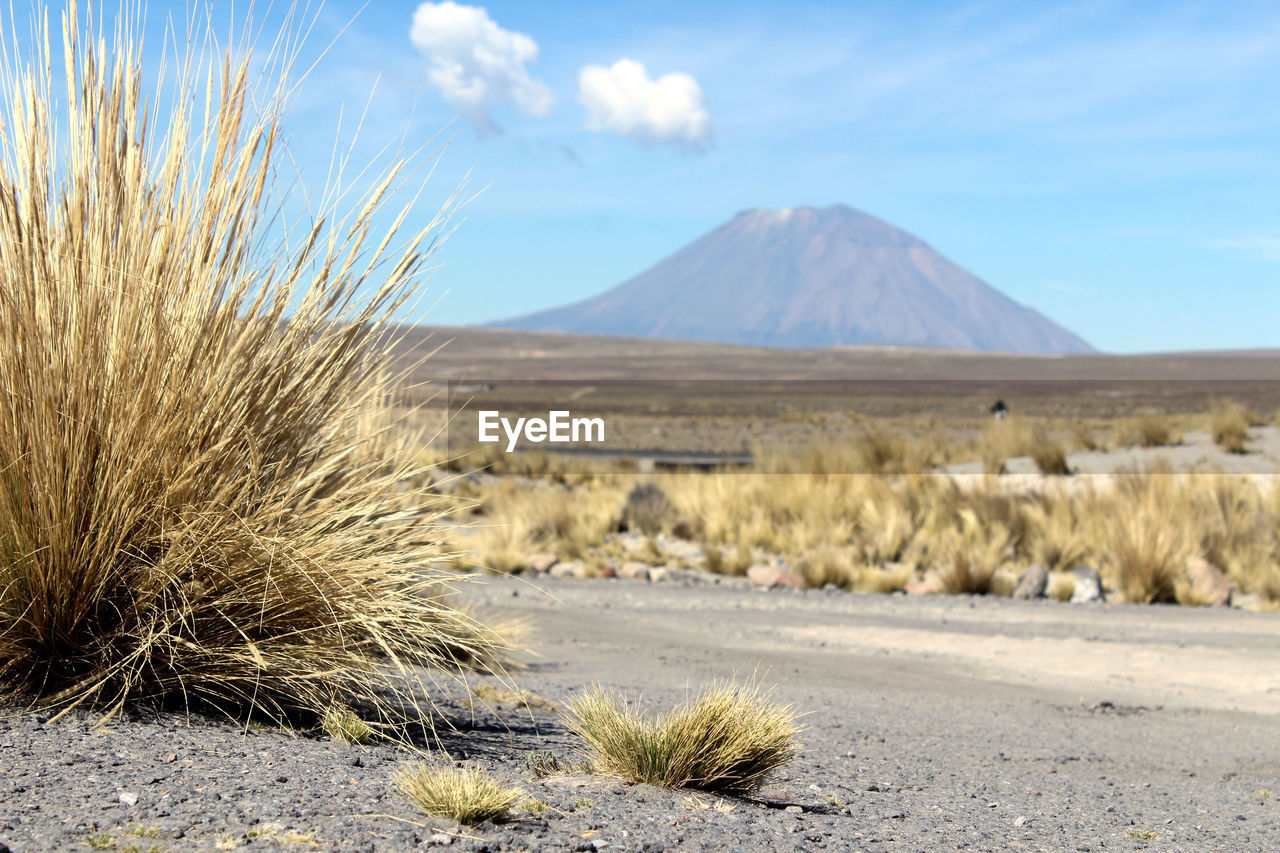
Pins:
x: 682, y: 530
x: 646, y: 508
x: 571, y: 569
x: 1033, y: 582
x: 680, y: 549
x: 1088, y: 586
x: 793, y: 580
x: 542, y: 562
x: 128, y: 798
x: 659, y: 573
x: 1208, y: 583
x: 607, y: 572
x: 771, y: 575
x: 634, y: 571
x: 764, y: 576
x: 1246, y: 600
x: 919, y: 588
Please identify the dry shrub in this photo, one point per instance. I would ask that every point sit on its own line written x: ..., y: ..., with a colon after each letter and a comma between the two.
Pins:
x: 646, y: 508
x: 730, y: 739
x: 194, y: 501
x: 828, y: 565
x: 1050, y: 456
x: 1148, y: 538
x: 1057, y: 537
x: 1145, y: 431
x: 1229, y: 425
x: 1009, y: 437
x: 970, y: 559
x: 526, y: 518
x: 468, y: 795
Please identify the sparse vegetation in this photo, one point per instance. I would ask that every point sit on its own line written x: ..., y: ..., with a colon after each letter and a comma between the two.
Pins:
x: 343, y: 724
x: 1229, y: 424
x: 1145, y: 431
x: 200, y: 499
x: 727, y: 740
x: 470, y: 796
x: 534, y: 806
x: 1144, y: 834
x: 542, y: 764
x: 1141, y: 528
x: 515, y: 698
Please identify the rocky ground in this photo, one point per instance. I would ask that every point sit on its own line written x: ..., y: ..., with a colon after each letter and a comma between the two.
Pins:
x: 932, y: 723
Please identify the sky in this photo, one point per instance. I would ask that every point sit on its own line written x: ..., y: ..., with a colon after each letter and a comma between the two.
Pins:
x: 1113, y: 165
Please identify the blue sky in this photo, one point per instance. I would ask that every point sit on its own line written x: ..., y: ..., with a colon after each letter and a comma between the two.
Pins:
x: 1114, y: 165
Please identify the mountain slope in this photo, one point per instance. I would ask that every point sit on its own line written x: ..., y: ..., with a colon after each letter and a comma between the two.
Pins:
x: 806, y: 277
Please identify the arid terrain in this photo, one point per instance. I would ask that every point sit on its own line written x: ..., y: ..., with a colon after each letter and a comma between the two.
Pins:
x: 938, y: 712
x: 931, y: 723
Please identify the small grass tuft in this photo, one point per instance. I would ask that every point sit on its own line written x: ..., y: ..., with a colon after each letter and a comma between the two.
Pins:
x: 518, y: 698
x: 542, y: 764
x: 469, y: 796
x: 100, y: 840
x: 343, y: 724
x: 1145, y: 834
x: 728, y: 740
x: 534, y: 806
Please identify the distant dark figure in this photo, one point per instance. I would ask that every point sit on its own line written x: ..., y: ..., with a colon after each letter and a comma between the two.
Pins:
x: 1000, y: 410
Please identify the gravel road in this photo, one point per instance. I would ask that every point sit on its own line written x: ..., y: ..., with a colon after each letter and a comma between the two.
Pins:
x: 932, y: 723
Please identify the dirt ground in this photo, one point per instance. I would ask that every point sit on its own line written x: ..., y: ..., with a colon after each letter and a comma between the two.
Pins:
x: 932, y: 723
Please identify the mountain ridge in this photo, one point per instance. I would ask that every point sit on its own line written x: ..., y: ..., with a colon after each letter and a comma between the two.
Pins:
x: 807, y: 277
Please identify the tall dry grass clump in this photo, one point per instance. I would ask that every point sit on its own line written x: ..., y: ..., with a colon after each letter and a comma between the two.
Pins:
x: 191, y: 505
x: 1229, y: 424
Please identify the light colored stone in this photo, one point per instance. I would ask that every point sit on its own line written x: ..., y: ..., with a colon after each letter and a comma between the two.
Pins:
x: 1208, y: 584
x: 634, y: 571
x: 1088, y: 586
x: 1033, y: 582
x: 765, y: 575
x: 129, y: 798
x: 771, y: 575
x: 571, y: 569
x: 542, y: 562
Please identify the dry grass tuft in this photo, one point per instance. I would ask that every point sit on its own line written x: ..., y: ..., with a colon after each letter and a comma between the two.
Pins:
x: 469, y: 796
x: 343, y: 724
x: 1229, y: 424
x: 516, y: 698
x: 199, y: 497
x: 1147, y: 540
x: 1145, y: 431
x: 728, y: 740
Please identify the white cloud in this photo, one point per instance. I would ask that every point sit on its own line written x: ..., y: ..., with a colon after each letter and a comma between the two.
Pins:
x: 624, y: 100
x: 475, y: 64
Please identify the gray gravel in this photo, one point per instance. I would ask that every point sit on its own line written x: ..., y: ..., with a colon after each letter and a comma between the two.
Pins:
x: 942, y: 738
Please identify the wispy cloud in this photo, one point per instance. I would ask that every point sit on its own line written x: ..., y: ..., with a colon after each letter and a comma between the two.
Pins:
x: 476, y: 64
x: 1266, y: 248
